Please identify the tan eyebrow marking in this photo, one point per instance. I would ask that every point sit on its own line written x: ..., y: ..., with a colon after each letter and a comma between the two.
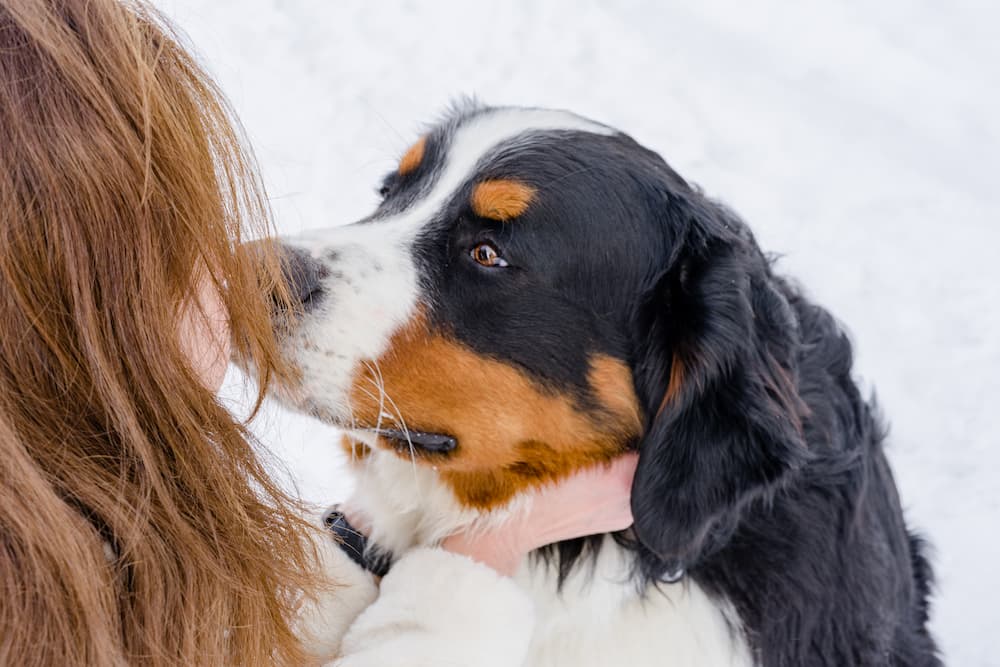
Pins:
x: 501, y: 199
x: 411, y: 158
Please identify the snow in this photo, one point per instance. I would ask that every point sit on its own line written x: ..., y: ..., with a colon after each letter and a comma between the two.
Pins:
x: 859, y: 140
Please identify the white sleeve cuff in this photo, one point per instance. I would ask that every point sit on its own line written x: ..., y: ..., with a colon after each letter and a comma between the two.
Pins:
x: 324, y: 619
x: 441, y: 609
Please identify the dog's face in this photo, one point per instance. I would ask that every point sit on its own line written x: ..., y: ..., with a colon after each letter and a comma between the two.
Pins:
x: 476, y: 303
x: 536, y: 293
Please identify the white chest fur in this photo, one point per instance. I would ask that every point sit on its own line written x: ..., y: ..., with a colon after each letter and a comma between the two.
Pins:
x: 598, y: 619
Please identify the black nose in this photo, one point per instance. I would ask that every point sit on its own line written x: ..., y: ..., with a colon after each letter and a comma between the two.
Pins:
x: 303, y: 276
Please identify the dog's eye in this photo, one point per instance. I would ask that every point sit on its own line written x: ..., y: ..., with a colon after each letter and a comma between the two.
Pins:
x: 384, y: 190
x: 487, y: 255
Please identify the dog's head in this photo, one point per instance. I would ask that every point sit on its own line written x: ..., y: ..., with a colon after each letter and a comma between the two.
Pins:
x: 537, y: 293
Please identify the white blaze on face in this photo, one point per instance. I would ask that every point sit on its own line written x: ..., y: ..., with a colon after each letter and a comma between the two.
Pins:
x: 373, y: 289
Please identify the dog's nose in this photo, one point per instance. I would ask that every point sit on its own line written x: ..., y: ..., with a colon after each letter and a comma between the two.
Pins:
x: 303, y: 275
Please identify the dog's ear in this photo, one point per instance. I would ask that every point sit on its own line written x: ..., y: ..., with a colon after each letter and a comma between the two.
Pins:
x: 717, y: 375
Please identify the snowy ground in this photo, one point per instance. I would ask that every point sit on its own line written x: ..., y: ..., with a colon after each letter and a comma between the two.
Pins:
x: 861, y: 140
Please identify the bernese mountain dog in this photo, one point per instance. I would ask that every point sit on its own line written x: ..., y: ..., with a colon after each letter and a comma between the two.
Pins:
x: 536, y: 293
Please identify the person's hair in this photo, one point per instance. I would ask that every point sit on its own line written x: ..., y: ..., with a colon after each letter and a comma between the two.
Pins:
x: 138, y: 523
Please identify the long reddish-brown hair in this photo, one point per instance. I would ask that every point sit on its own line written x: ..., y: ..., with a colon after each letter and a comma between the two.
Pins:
x: 137, y: 523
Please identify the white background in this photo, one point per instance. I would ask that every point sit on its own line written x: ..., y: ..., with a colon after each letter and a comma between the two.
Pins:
x: 858, y: 139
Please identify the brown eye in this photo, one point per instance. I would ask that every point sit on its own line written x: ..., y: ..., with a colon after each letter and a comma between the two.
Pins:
x: 487, y: 255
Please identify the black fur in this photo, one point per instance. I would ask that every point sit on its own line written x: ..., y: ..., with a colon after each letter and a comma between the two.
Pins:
x: 764, y: 475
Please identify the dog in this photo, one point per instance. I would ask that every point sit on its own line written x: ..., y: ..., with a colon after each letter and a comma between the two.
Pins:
x: 537, y: 293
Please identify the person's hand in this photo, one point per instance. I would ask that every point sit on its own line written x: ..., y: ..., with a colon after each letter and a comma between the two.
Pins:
x: 592, y: 501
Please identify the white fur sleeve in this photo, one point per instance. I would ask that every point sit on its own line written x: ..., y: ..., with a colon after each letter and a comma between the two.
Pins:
x: 441, y: 609
x: 324, y: 620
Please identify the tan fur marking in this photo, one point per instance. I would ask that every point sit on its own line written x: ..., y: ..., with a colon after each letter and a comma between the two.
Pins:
x: 501, y: 199
x: 413, y: 157
x: 512, y: 434
x: 675, y: 383
x: 613, y: 386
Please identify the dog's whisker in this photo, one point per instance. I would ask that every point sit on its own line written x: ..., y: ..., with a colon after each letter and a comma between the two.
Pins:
x: 380, y: 386
x: 383, y: 396
x: 376, y: 379
x: 400, y: 421
x: 406, y: 431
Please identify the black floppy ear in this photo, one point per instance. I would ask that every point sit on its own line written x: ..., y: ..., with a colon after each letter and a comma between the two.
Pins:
x: 717, y: 374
